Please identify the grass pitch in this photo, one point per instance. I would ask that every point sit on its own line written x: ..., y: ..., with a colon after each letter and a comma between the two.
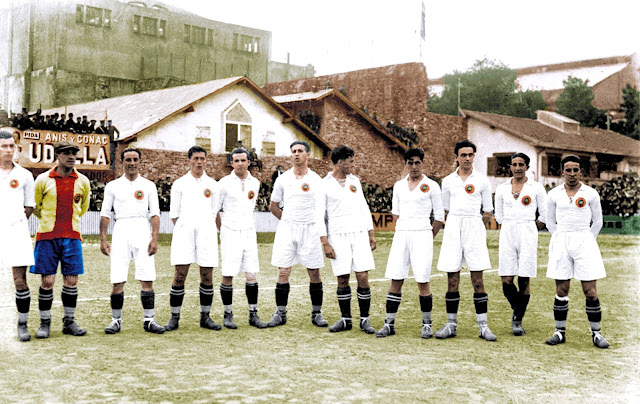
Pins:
x: 299, y: 362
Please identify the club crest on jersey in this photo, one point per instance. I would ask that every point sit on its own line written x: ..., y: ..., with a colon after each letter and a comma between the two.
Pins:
x: 207, y: 193
x: 305, y: 187
x: 581, y: 202
x: 424, y: 188
x: 251, y: 194
x: 526, y: 200
x: 77, y: 198
x: 469, y: 189
x: 14, y: 184
x: 138, y: 195
x: 353, y: 188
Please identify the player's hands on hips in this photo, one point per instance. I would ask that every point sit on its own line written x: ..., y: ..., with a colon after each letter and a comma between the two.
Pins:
x: 105, y: 247
x: 153, y: 247
x: 328, y: 251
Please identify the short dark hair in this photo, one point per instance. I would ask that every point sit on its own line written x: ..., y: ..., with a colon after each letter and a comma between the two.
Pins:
x: 302, y: 142
x: 523, y: 156
x: 196, y: 149
x: 131, y: 149
x: 6, y: 135
x: 239, y: 150
x: 341, y: 153
x: 571, y: 158
x: 463, y: 143
x: 414, y: 152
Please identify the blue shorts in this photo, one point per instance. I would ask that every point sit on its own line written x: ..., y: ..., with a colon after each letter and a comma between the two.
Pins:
x: 67, y: 251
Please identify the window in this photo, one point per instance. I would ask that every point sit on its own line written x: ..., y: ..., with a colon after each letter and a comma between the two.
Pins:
x: 552, y: 165
x: 203, y: 137
x: 162, y: 28
x: 268, y: 148
x: 197, y: 35
x: 94, y: 16
x: 187, y: 33
x: 585, y: 165
x: 106, y: 18
x: 136, y: 24
x: 238, y: 128
x: 256, y: 41
x: 99, y: 17
x: 210, y: 36
x: 79, y: 14
x: 499, y: 165
x: 149, y: 26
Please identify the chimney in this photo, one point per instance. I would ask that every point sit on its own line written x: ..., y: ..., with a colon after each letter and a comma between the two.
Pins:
x: 559, y: 122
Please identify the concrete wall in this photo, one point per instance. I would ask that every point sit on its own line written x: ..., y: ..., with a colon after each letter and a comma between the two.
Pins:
x: 118, y: 53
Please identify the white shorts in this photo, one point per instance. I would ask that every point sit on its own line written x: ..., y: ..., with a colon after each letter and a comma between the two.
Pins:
x: 195, y: 242
x: 16, y: 247
x: 297, y: 243
x: 130, y: 241
x: 239, y: 251
x: 575, y: 255
x: 518, y: 252
x: 465, y: 238
x: 410, y: 248
x: 353, y: 252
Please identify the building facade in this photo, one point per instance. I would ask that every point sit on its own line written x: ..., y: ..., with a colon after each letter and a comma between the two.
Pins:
x: 64, y: 52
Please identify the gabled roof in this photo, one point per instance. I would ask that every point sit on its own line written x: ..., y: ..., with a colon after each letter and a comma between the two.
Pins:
x: 132, y: 114
x: 321, y: 94
x: 590, y: 140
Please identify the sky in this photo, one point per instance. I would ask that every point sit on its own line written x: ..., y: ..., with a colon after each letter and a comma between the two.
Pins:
x: 344, y: 35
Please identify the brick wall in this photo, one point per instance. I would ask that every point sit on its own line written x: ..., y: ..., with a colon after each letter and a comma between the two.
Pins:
x: 397, y: 92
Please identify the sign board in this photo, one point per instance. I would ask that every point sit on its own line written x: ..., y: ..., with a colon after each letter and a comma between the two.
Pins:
x: 36, y: 148
x: 383, y: 222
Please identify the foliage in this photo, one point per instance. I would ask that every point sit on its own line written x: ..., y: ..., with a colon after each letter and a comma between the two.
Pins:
x: 631, y: 107
x: 575, y: 102
x: 488, y: 86
x: 620, y: 196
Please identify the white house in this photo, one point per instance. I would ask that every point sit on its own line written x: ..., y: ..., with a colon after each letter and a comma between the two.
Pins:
x: 215, y: 114
x: 546, y: 140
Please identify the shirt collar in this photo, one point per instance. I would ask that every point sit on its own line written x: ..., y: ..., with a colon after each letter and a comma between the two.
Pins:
x: 54, y: 174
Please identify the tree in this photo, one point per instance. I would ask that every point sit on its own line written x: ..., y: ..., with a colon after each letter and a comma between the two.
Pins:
x: 575, y: 102
x: 631, y: 107
x: 488, y: 86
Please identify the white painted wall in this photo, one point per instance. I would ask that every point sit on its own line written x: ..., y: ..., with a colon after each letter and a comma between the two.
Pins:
x: 178, y: 133
x: 489, y: 141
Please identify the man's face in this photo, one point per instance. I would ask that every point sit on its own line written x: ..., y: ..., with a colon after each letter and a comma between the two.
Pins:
x: 518, y: 168
x: 299, y: 155
x: 131, y: 162
x: 465, y: 157
x: 7, y: 150
x: 240, y: 164
x: 414, y: 166
x: 197, y: 162
x: 345, y: 165
x: 571, y: 173
x: 67, y: 158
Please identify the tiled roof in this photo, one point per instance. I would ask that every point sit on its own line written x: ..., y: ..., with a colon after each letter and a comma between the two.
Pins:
x: 591, y: 140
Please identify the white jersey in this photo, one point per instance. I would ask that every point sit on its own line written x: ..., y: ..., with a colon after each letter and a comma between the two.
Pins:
x: 345, y: 207
x: 238, y: 201
x: 466, y: 198
x: 523, y: 209
x: 414, y: 207
x: 130, y: 199
x: 17, y: 193
x: 301, y: 197
x: 194, y: 199
x: 580, y: 212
